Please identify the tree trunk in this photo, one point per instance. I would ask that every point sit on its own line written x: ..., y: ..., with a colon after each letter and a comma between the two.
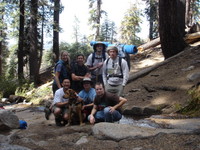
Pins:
x: 56, y: 30
x: 33, y: 57
x: 98, y: 19
x: 20, y: 53
x: 172, y: 26
x: 42, y: 39
x: 150, y: 44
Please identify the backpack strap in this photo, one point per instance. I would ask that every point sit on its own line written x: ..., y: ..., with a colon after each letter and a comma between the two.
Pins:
x: 103, y: 56
x: 93, y: 57
x: 120, y: 65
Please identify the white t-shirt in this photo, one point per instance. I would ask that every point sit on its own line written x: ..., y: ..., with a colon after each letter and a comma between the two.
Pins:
x: 59, y: 96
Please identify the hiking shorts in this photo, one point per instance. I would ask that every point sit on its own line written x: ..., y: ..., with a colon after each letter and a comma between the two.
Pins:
x: 115, y: 89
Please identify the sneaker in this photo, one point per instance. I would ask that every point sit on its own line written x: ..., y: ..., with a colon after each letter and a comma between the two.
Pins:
x: 59, y: 122
x: 47, y: 112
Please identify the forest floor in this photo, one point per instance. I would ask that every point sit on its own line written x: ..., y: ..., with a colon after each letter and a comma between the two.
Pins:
x: 149, y: 90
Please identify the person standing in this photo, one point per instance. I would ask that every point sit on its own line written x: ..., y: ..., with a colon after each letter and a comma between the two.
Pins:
x: 107, y: 106
x: 62, y: 71
x: 79, y: 72
x: 115, y: 72
x: 87, y: 95
x: 95, y: 61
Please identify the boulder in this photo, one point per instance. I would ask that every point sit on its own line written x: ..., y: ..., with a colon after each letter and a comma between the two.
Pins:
x: 8, y: 120
x: 119, y: 132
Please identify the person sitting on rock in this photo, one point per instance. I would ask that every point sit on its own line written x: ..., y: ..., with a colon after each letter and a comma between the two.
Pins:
x: 106, y: 106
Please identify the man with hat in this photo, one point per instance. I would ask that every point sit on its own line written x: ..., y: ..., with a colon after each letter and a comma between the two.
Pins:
x: 115, y: 72
x: 87, y: 95
x: 95, y: 61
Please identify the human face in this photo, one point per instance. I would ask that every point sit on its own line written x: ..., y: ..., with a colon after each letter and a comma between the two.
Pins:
x: 64, y: 56
x: 99, y: 90
x: 86, y: 86
x: 80, y: 60
x: 112, y: 53
x: 66, y: 83
x: 99, y: 48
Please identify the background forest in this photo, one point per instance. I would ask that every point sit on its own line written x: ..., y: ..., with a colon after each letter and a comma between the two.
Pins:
x: 29, y: 22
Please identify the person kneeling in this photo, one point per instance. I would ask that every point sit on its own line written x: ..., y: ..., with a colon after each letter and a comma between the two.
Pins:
x: 106, y: 106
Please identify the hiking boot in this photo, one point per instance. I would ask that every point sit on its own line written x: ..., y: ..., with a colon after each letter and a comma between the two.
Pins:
x: 59, y: 122
x: 47, y: 112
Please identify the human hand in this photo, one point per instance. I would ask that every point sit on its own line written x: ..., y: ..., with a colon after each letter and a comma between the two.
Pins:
x: 112, y: 109
x: 83, y: 107
x: 92, y: 119
x: 99, y: 65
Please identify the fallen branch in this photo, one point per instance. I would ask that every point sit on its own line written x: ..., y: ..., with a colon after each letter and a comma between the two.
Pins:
x: 134, y: 76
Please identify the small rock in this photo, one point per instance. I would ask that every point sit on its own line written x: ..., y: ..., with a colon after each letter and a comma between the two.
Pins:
x: 188, y: 69
x: 82, y: 140
x: 193, y: 76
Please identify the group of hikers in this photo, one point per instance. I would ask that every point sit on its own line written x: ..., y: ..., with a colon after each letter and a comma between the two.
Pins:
x: 98, y: 83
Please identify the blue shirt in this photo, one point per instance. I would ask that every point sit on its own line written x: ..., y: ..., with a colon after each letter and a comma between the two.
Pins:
x: 88, y: 97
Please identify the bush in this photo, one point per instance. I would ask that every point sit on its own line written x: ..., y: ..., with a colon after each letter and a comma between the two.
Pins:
x: 8, y: 86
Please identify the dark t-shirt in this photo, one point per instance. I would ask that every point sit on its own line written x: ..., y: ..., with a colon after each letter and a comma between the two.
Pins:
x: 108, y: 99
x: 78, y: 71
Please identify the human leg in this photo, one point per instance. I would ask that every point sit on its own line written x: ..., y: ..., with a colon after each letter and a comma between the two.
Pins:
x: 111, y: 116
x: 99, y: 116
x: 58, y: 115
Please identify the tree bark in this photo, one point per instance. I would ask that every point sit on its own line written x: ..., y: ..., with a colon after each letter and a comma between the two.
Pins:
x: 150, y: 44
x: 56, y: 30
x: 172, y: 26
x: 98, y: 19
x: 33, y: 57
x: 20, y: 53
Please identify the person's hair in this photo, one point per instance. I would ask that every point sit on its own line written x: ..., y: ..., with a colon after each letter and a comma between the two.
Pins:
x: 68, y: 58
x: 66, y: 79
x: 80, y: 55
x: 99, y: 83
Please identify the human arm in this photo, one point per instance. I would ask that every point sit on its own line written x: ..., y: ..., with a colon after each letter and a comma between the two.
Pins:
x: 76, y: 78
x: 125, y: 71
x: 61, y: 104
x: 88, y: 105
x: 122, y: 101
x: 58, y: 99
x: 104, y: 73
x: 94, y: 110
x: 57, y: 74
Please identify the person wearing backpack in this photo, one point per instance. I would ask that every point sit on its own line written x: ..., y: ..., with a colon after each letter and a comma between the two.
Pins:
x: 62, y: 71
x: 115, y: 72
x: 95, y: 61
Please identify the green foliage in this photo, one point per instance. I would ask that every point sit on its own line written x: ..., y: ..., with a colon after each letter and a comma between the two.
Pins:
x: 8, y: 86
x: 108, y: 31
x: 75, y: 49
x: 151, y: 12
x: 24, y: 88
x: 130, y: 26
x: 193, y: 107
x: 37, y: 95
x: 196, y: 10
